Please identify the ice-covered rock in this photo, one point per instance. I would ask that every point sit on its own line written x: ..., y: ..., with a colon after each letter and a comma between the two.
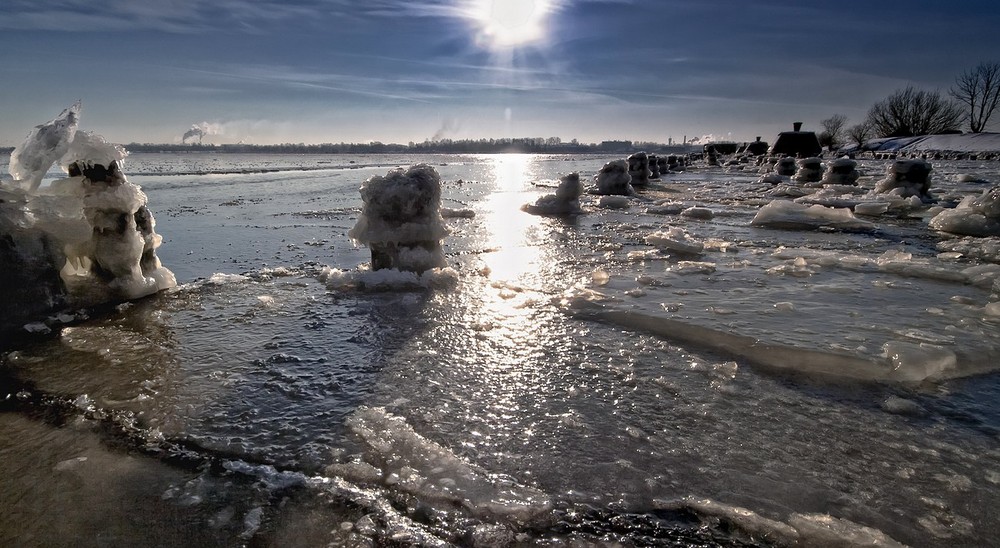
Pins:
x: 907, y: 178
x: 638, y: 169
x: 614, y: 179
x: 785, y: 214
x: 566, y: 200
x: 974, y: 216
x: 401, y: 219
x: 842, y: 171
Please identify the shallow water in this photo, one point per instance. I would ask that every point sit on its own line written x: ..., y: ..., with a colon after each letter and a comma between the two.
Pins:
x: 574, y: 384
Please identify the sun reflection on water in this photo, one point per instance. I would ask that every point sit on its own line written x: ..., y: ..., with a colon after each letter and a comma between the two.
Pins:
x: 510, y: 231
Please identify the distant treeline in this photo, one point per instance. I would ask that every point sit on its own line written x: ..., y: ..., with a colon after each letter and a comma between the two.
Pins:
x: 480, y: 146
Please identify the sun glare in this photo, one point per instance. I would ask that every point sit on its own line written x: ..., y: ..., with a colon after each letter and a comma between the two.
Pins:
x: 506, y: 24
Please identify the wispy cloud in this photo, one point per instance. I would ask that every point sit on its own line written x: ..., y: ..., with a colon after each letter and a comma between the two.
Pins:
x: 187, y: 16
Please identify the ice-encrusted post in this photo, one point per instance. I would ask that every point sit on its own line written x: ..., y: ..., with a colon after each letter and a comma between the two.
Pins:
x: 566, y: 200
x: 614, y: 179
x: 810, y: 170
x: 785, y: 166
x: 661, y: 164
x: 401, y: 221
x: 121, y: 251
x: 907, y: 178
x: 842, y: 171
x: 82, y: 240
x: 654, y: 167
x: 638, y: 169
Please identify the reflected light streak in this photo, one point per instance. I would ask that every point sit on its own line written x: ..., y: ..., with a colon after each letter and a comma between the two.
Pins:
x: 510, y: 228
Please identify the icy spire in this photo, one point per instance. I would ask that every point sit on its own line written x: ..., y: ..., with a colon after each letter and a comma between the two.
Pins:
x: 46, y: 144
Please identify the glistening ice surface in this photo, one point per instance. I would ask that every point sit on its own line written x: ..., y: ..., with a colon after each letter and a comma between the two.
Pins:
x: 642, y: 373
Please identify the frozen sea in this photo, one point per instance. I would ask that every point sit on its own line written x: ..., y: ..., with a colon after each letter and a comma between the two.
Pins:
x: 573, y: 385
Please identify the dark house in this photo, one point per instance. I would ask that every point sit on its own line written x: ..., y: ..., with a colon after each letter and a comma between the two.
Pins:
x: 722, y: 147
x: 796, y: 143
x: 755, y: 148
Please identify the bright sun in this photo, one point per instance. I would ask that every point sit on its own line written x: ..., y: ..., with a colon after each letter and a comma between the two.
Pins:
x: 510, y: 23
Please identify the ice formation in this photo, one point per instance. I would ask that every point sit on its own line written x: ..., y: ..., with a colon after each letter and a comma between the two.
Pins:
x: 82, y: 240
x: 907, y: 178
x: 785, y: 214
x: 677, y: 240
x: 395, y: 455
x: 674, y: 163
x: 785, y: 166
x: 401, y: 219
x: 45, y: 145
x: 974, y: 216
x: 842, y: 171
x: 810, y: 170
x: 638, y: 169
x: 387, y: 280
x: 566, y: 200
x: 614, y: 179
x: 654, y: 167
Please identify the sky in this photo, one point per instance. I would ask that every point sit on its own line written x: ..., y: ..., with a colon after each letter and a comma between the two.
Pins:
x: 316, y: 71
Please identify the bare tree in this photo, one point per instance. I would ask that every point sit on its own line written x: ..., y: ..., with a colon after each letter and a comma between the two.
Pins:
x: 860, y: 133
x: 910, y: 111
x: 833, y: 131
x: 979, y: 90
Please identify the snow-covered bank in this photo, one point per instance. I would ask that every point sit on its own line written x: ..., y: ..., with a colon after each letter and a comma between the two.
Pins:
x: 987, y: 144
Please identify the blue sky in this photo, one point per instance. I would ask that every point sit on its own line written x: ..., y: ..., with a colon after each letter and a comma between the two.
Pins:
x: 273, y: 71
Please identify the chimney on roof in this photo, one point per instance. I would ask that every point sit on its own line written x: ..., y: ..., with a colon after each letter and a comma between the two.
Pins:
x: 797, y: 126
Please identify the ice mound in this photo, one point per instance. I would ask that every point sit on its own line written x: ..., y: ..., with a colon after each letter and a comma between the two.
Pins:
x: 638, y: 169
x: 401, y: 219
x: 871, y: 209
x: 791, y: 215
x: 396, y: 455
x: 974, y: 216
x: 566, y: 200
x: 614, y: 202
x: 84, y: 239
x: 907, y: 178
x: 665, y: 207
x: 677, y: 240
x: 388, y: 279
x: 772, y: 179
x: 614, y: 179
x: 832, y: 195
